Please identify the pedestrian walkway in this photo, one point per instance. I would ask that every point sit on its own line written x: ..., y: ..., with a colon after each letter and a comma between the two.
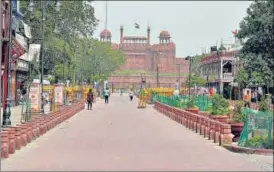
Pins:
x: 15, y: 114
x: 118, y: 136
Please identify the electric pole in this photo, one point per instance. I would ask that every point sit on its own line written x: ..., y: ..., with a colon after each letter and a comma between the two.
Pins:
x: 157, y: 69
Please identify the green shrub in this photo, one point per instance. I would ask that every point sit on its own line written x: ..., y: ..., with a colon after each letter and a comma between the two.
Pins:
x: 259, y: 142
x: 219, y: 105
x: 238, y: 114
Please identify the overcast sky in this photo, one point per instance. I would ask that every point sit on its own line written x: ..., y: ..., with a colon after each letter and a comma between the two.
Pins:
x: 191, y: 24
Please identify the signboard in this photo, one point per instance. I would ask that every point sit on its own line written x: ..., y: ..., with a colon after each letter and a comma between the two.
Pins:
x: 34, y: 52
x: 47, y: 104
x: 22, y: 64
x: 22, y: 41
x: 35, y: 97
x: 105, y: 84
x: 59, y: 94
x: 27, y: 30
x: 14, y: 5
x: 177, y: 86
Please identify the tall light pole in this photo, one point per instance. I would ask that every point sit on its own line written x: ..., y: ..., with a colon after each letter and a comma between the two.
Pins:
x: 57, y: 8
x: 6, y: 113
x: 157, y: 69
x: 189, y: 73
x: 1, y: 25
x: 179, y: 76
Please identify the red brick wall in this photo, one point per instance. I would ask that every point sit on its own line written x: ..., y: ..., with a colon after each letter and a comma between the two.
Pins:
x: 151, y: 81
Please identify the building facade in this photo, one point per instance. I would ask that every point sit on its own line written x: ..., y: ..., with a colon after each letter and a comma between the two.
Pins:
x: 142, y: 55
x: 18, y: 61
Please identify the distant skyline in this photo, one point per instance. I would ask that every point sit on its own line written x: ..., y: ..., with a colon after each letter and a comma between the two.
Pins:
x: 193, y: 25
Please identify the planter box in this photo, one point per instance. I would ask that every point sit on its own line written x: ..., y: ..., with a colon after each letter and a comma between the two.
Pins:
x: 193, y: 110
x: 236, y: 130
x: 220, y: 118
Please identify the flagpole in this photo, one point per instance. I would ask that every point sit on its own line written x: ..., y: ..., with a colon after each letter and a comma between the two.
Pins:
x: 106, y: 21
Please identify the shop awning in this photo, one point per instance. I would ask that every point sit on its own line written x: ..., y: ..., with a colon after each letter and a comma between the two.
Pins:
x: 17, y: 50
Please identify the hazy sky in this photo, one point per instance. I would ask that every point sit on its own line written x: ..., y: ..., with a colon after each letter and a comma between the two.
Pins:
x: 191, y: 24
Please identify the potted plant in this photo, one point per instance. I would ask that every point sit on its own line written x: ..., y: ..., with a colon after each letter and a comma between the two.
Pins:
x: 191, y: 106
x: 237, y: 122
x: 219, y: 109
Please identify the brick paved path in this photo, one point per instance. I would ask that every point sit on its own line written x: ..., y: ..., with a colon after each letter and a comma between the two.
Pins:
x: 118, y: 136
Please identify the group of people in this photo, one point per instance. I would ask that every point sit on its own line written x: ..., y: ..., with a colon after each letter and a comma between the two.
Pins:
x: 90, y: 97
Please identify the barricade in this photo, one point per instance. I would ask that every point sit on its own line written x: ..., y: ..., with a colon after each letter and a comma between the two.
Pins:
x: 14, y: 138
x: 216, y: 131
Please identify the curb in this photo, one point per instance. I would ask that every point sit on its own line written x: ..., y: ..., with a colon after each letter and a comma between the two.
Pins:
x: 14, y: 138
x: 239, y: 149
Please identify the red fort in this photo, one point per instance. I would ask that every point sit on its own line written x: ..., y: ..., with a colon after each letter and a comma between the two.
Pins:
x: 141, y: 55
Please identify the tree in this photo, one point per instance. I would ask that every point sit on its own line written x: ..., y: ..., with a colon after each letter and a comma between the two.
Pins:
x: 196, y: 62
x: 257, y: 51
x: 68, y: 44
x: 196, y: 80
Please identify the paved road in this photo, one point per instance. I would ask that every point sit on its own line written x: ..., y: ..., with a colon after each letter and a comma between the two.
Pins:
x: 118, y: 136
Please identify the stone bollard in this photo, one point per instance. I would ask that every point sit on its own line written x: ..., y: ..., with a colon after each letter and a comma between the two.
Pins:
x: 24, y: 136
x: 12, y: 143
x: 226, y: 136
x: 217, y: 133
x: 4, y: 144
x: 212, y: 130
x: 18, y: 138
x: 198, y: 125
x: 207, y: 126
x: 202, y: 126
x: 25, y: 132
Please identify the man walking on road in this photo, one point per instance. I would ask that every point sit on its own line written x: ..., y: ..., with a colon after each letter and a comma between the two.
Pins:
x: 131, y: 95
x: 106, y: 95
x: 90, y: 99
x: 247, y: 99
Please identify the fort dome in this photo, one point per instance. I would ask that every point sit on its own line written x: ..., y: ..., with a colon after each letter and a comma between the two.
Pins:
x: 105, y: 33
x: 164, y: 34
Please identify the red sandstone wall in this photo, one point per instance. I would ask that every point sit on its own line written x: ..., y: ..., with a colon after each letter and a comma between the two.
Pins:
x: 134, y: 63
x: 125, y: 81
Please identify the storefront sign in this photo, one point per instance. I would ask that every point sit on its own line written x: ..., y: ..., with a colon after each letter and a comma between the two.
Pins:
x: 22, y: 40
x: 27, y: 30
x: 35, y: 97
x: 22, y: 64
x: 17, y: 48
x: 59, y: 94
x: 34, y: 52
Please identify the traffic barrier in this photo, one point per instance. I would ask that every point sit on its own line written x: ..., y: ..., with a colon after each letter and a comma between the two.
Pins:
x: 211, y: 129
x: 13, y: 138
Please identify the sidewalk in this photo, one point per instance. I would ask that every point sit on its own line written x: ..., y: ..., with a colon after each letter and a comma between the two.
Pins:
x: 15, y: 115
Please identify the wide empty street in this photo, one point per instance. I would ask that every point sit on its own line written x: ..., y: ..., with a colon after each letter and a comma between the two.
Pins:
x: 119, y: 136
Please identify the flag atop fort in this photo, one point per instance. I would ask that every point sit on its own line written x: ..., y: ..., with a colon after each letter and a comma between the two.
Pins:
x: 235, y: 32
x: 137, y: 26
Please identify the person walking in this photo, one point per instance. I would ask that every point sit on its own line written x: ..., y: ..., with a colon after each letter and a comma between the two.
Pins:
x: 131, y: 95
x: 90, y: 99
x: 106, y: 95
x: 247, y: 99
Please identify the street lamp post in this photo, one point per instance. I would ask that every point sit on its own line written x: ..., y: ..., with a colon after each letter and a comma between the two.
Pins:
x: 157, y: 69
x: 30, y: 7
x: 189, y: 73
x: 179, y: 76
x: 7, y: 112
x: 64, y: 60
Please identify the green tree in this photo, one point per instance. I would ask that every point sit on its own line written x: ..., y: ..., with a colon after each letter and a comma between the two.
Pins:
x: 196, y: 62
x: 68, y: 43
x: 257, y: 51
x: 196, y: 80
